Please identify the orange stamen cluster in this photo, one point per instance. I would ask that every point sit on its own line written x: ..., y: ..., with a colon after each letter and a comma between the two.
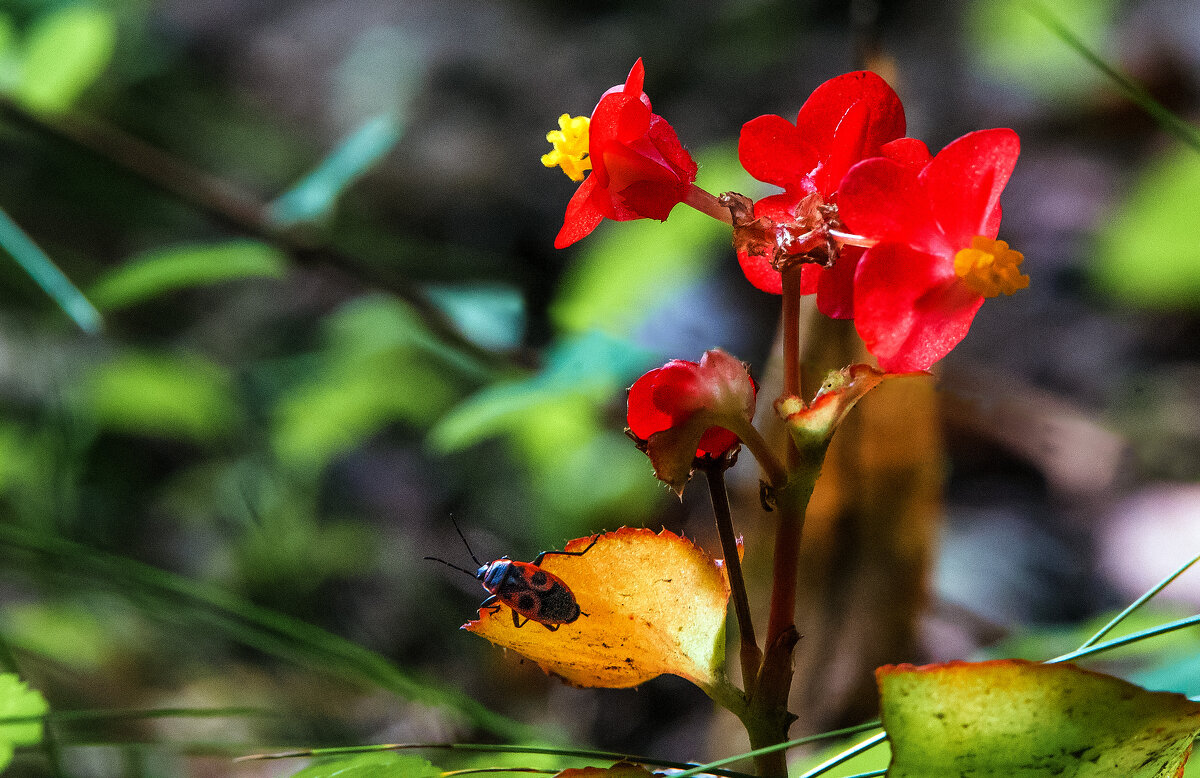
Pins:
x: 990, y: 267
x: 570, y: 146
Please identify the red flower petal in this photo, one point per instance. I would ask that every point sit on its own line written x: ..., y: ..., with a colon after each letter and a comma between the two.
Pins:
x: 963, y: 183
x: 772, y: 150
x: 885, y: 200
x: 821, y: 115
x: 909, y: 152
x: 910, y: 308
x: 848, y: 118
x: 835, y: 285
x: 582, y: 215
x: 636, y: 79
x: 716, y: 441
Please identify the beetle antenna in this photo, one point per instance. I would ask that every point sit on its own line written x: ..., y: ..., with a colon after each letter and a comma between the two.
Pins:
x: 456, y: 567
x: 465, y: 543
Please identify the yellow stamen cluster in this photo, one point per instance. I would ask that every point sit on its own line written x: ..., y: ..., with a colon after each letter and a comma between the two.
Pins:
x: 990, y: 267
x: 570, y: 146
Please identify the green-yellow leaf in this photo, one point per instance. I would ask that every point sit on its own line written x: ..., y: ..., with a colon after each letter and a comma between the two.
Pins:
x: 184, y: 397
x: 18, y: 701
x: 1017, y: 719
x: 160, y: 272
x: 655, y: 604
x: 64, y: 53
x: 373, y: 765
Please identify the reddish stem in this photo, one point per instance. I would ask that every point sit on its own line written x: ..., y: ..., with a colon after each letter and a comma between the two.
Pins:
x: 707, y: 204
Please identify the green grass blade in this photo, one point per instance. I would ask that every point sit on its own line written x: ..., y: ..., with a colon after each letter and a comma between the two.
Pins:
x: 707, y: 768
x: 267, y: 630
x: 46, y: 274
x: 1134, y: 91
x: 573, y: 753
x: 846, y: 755
x: 1126, y: 640
x: 1139, y: 602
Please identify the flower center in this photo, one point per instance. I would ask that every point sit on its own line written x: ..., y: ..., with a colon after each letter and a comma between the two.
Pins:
x: 570, y: 146
x: 990, y: 267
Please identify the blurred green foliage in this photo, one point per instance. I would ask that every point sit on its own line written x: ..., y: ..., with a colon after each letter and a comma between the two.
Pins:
x: 1147, y: 254
x: 162, y: 271
x: 63, y: 51
x: 16, y: 701
x: 1012, y: 47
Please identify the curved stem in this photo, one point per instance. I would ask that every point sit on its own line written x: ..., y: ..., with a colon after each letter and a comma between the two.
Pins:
x: 774, y: 471
x: 850, y: 239
x: 706, y: 203
x: 751, y: 656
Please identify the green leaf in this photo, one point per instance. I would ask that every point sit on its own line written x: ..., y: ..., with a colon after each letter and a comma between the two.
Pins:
x: 317, y: 193
x: 581, y: 374
x: 373, y: 765
x: 64, y: 53
x: 159, y: 272
x: 624, y: 270
x: 1021, y: 719
x: 171, y: 396
x: 18, y: 701
x: 1148, y: 252
x: 490, y: 315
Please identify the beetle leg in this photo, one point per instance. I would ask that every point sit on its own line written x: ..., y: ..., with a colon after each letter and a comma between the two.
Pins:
x: 517, y: 620
x: 491, y: 603
x: 537, y: 560
x: 551, y: 627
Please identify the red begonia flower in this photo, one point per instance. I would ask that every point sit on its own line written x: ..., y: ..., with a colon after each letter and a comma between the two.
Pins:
x: 847, y: 119
x: 639, y: 168
x: 917, y: 290
x: 684, y: 410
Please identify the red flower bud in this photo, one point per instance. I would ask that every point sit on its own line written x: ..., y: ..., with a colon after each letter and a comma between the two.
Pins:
x: 639, y: 168
x: 684, y: 410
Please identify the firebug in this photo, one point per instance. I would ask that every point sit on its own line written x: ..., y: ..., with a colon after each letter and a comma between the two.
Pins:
x: 531, y: 592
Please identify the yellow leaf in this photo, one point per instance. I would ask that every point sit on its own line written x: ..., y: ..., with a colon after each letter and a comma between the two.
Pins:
x: 655, y: 604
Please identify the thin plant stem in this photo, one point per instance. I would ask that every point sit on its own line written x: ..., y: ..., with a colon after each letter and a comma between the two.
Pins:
x: 767, y: 718
x: 706, y: 203
x: 749, y: 652
x: 48, y: 276
x: 1139, y: 602
x: 850, y: 239
x: 792, y: 378
x: 1125, y: 640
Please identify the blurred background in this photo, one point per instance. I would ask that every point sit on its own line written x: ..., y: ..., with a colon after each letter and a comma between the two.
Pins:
x: 329, y: 317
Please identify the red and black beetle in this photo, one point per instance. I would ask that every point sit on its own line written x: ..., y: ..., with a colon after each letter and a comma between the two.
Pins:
x: 525, y: 587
